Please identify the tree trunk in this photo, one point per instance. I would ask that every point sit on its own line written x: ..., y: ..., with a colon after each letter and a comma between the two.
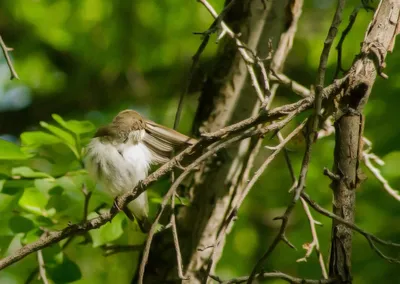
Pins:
x: 349, y: 129
x: 227, y: 97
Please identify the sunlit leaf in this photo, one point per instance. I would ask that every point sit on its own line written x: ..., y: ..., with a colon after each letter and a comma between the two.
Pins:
x: 108, y: 232
x: 9, y: 202
x: 75, y: 126
x: 38, y: 138
x: 29, y: 173
x: 45, y: 185
x: 4, y: 244
x: 33, y: 201
x: 31, y: 236
x: 64, y: 135
x: 10, y: 151
x: 67, y: 137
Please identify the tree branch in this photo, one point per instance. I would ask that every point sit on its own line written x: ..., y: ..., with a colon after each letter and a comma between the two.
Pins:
x: 8, y: 59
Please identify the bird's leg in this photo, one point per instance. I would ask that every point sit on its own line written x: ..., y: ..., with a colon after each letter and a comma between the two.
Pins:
x: 127, y: 212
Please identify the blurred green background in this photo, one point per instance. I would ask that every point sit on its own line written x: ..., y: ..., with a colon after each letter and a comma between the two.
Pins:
x: 89, y: 59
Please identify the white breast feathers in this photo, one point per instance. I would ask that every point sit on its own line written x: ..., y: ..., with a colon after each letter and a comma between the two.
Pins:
x: 119, y: 168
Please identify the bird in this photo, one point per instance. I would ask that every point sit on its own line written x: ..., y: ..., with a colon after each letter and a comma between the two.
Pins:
x: 120, y: 155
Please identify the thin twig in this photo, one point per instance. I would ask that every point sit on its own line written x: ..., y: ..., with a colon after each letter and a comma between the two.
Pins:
x: 233, y: 213
x: 196, y: 58
x: 368, y: 158
x: 42, y: 268
x: 296, y: 87
x: 319, y: 85
x: 311, y: 136
x: 288, y: 111
x: 370, y: 237
x: 339, y: 46
x: 242, y: 48
x: 212, y: 151
x: 87, y: 195
x: 176, y: 240
x: 315, y: 242
x: 275, y: 275
x: 8, y: 59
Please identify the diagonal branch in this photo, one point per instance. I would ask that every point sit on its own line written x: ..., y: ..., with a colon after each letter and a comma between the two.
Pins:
x: 8, y: 59
x: 288, y: 112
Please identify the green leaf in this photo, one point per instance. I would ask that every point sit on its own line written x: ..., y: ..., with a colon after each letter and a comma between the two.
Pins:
x: 66, y: 272
x: 33, y: 201
x: 15, y: 186
x: 75, y: 126
x: 32, y: 236
x: 182, y: 201
x: 58, y: 202
x: 64, y: 135
x: 29, y: 173
x: 4, y: 220
x: 68, y: 139
x: 10, y: 151
x: 58, y: 190
x: 53, y: 255
x: 45, y: 185
x: 19, y: 224
x: 2, y: 182
x: 45, y: 221
x: 4, y: 244
x: 107, y: 233
x: 38, y: 138
x: 9, y: 202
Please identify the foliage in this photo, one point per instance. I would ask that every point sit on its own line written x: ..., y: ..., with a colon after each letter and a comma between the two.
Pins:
x: 41, y: 190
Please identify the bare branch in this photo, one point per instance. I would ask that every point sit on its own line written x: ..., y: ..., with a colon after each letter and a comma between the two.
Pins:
x: 8, y: 59
x: 176, y: 240
x: 293, y: 85
x: 233, y: 213
x: 196, y: 58
x: 242, y: 48
x: 368, y: 158
x: 310, y: 137
x: 42, y: 268
x: 370, y: 237
x: 275, y: 275
x: 315, y: 242
x: 287, y: 111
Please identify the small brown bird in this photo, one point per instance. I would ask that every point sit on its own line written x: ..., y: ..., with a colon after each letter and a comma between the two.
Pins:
x: 121, y: 153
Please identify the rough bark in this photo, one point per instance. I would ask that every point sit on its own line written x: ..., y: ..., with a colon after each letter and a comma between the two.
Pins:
x: 227, y: 97
x: 220, y: 182
x: 349, y: 125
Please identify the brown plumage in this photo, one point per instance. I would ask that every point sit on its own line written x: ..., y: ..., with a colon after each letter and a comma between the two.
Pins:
x: 120, y: 155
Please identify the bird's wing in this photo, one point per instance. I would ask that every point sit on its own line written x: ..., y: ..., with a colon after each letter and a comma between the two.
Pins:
x: 168, y: 135
x: 162, y: 141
